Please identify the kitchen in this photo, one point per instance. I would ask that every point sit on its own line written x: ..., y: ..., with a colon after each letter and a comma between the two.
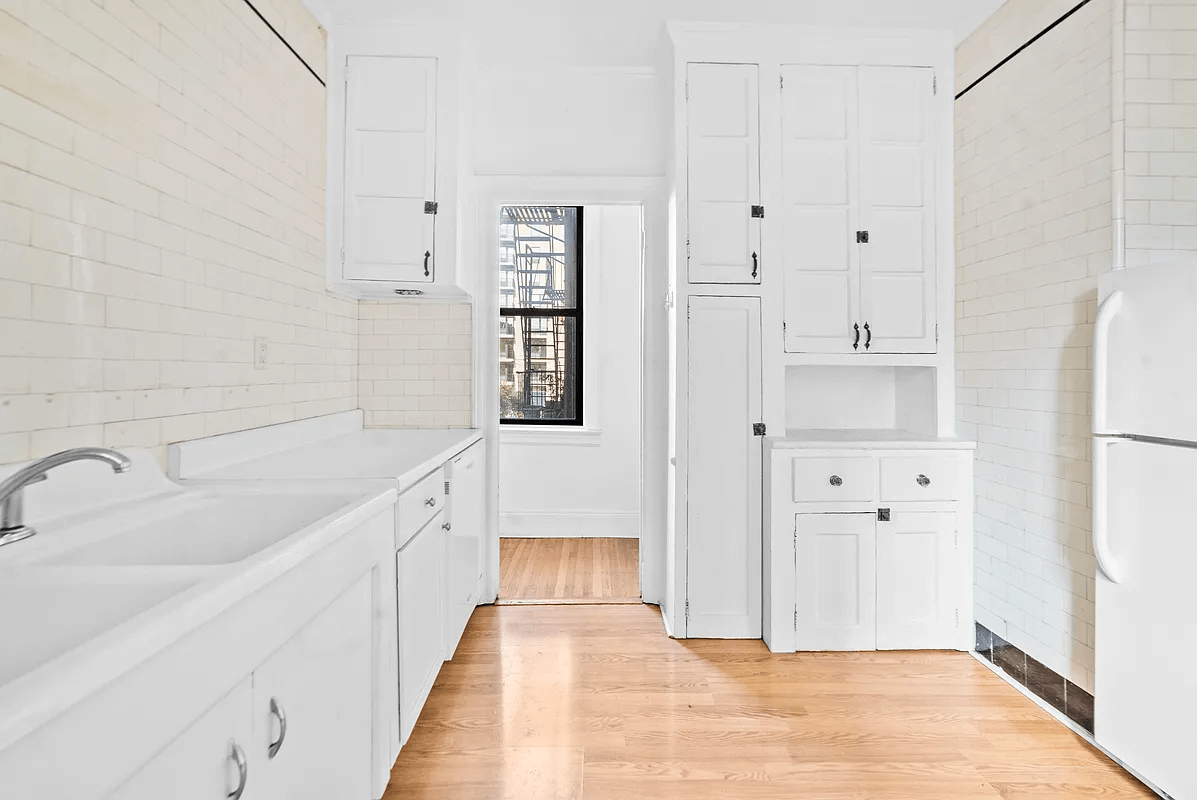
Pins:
x: 207, y: 210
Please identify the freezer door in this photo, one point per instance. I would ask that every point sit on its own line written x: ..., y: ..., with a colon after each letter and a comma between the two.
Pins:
x: 1146, y: 631
x: 1150, y: 361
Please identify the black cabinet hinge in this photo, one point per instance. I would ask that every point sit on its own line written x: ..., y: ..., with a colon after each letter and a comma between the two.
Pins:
x: 883, y: 515
x: 431, y: 206
x: 758, y: 212
x: 758, y: 429
x: 862, y: 237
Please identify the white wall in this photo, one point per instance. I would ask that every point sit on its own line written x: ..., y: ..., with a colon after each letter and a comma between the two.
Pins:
x: 590, y: 487
x: 1033, y: 228
x: 161, y: 205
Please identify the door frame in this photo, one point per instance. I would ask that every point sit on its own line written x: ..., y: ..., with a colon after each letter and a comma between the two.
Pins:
x: 479, y: 257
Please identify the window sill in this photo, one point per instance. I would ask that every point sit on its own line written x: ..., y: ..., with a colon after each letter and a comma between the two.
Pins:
x: 549, y: 435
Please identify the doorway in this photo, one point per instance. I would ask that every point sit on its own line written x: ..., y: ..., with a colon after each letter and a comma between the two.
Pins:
x: 569, y: 380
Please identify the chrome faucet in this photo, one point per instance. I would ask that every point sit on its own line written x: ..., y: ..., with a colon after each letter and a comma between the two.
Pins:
x: 12, y: 499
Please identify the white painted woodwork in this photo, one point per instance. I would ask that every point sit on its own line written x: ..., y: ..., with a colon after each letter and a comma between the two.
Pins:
x: 916, y: 571
x: 723, y: 553
x: 390, y: 168
x: 463, y: 541
x: 321, y: 680
x: 723, y: 173
x: 835, y: 601
x: 897, y: 196
x: 419, y: 504
x: 821, y: 193
x: 858, y: 155
x: 814, y: 479
x: 900, y: 478
x: 421, y: 624
x: 198, y: 765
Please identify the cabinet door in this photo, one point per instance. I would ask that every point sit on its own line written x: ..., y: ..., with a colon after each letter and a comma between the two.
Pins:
x: 916, y: 572
x: 320, y: 684
x: 835, y: 560
x: 200, y: 763
x: 463, y: 550
x: 390, y: 168
x: 723, y: 468
x: 723, y: 173
x: 897, y: 167
x: 820, y: 217
x: 421, y: 624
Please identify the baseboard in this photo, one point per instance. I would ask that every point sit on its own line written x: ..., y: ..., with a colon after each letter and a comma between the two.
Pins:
x: 569, y: 525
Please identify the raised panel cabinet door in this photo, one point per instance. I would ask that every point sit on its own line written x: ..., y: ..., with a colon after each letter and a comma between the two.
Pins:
x: 202, y: 762
x: 723, y: 173
x: 390, y: 168
x: 897, y: 171
x: 421, y: 621
x: 723, y: 468
x: 463, y: 542
x: 916, y: 581
x: 821, y: 209
x: 313, y: 706
x: 835, y: 567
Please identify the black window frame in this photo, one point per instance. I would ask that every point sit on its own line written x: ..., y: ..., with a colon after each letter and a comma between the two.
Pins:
x: 575, y: 313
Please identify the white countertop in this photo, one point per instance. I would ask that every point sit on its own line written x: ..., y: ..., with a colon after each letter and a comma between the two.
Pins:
x: 827, y: 439
x: 401, y: 455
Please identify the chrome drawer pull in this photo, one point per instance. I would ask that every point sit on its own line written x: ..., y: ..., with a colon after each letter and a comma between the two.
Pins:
x: 923, y: 480
x: 238, y: 756
x: 836, y: 480
x: 277, y: 711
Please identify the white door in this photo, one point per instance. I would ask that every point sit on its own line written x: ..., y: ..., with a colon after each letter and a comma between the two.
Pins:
x: 916, y: 595
x: 421, y: 621
x: 202, y: 762
x: 1146, y: 636
x: 820, y: 185
x: 390, y: 168
x: 836, y: 600
x: 313, y: 706
x: 723, y: 173
x: 723, y: 468
x: 463, y: 542
x: 897, y: 175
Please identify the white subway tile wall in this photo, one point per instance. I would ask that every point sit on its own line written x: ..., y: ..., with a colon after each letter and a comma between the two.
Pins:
x: 1161, y: 131
x: 416, y: 362
x: 1033, y: 232
x: 162, y: 170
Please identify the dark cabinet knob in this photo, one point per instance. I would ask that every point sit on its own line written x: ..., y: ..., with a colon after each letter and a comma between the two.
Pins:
x: 836, y: 480
x: 923, y: 480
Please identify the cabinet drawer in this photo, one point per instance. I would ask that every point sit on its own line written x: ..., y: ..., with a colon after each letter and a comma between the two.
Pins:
x: 829, y: 480
x: 914, y: 478
x: 419, y: 504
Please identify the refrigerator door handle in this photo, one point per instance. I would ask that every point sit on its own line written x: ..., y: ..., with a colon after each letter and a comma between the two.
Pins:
x: 1106, y: 561
x: 1101, y: 356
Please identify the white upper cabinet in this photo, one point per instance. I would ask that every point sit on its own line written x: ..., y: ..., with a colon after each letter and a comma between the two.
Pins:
x: 858, y: 184
x: 723, y: 173
x: 390, y: 169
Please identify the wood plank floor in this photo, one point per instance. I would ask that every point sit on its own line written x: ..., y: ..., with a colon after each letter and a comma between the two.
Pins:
x: 569, y: 571
x: 596, y: 703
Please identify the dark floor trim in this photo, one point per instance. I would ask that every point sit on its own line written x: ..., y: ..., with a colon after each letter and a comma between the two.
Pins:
x: 1036, y: 38
x: 288, y: 44
x: 1060, y: 693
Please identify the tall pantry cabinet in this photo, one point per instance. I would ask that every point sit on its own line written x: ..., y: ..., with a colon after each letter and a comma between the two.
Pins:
x: 812, y: 288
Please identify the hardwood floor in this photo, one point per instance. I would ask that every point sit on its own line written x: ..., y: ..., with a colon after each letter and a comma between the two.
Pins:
x: 596, y: 703
x: 563, y: 571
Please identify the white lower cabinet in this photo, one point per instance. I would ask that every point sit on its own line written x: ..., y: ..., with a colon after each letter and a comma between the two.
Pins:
x: 836, y: 596
x: 917, y: 571
x: 421, y: 620
x: 298, y: 727
x: 463, y: 541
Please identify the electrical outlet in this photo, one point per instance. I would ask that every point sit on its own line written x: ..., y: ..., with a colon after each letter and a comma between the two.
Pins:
x: 259, y: 352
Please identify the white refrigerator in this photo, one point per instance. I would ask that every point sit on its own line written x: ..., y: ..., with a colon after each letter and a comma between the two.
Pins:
x: 1145, y: 522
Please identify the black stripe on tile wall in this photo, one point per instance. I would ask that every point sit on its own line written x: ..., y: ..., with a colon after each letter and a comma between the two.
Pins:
x: 288, y: 44
x: 1032, y: 41
x: 1061, y: 694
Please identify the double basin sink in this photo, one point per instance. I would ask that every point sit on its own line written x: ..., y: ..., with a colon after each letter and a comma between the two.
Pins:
x: 88, y: 574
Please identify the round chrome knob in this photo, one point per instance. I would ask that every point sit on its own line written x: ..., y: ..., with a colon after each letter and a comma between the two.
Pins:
x: 923, y: 480
x: 431, y: 501
x: 446, y: 526
x: 836, y: 480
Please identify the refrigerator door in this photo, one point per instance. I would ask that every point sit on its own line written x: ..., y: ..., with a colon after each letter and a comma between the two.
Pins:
x: 1146, y: 624
x: 1146, y: 372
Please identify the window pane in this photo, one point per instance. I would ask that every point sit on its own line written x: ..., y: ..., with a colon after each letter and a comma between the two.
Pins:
x: 538, y: 256
x: 538, y: 368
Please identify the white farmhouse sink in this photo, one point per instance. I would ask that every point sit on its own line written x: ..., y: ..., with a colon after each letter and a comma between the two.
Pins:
x: 49, y: 612
x: 197, y: 529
